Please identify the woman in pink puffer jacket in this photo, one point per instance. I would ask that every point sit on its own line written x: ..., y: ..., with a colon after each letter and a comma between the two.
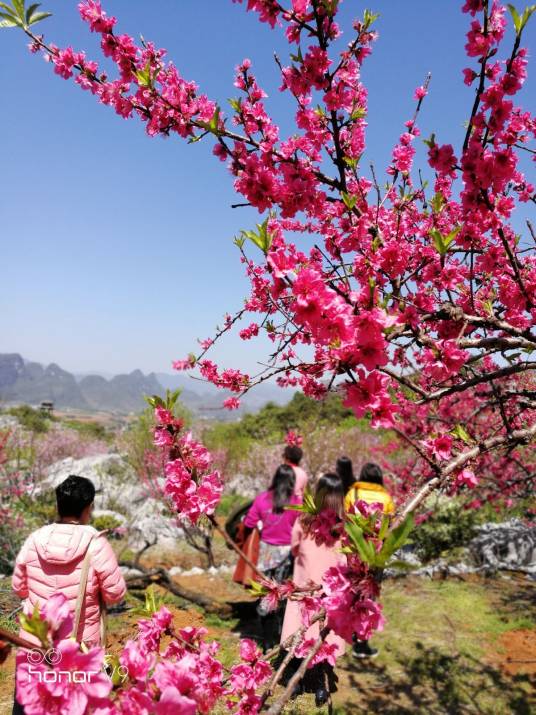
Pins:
x: 50, y: 560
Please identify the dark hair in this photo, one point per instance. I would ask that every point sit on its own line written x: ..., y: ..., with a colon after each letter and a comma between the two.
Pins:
x: 282, y: 486
x: 345, y: 471
x: 293, y: 454
x: 371, y: 472
x: 329, y: 492
x: 73, y: 495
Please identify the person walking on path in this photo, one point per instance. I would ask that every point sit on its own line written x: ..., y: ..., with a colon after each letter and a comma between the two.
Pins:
x: 311, y: 561
x: 292, y: 455
x: 51, y: 561
x: 268, y: 514
x: 369, y: 488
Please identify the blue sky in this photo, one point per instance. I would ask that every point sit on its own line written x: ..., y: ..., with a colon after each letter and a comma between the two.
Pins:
x: 117, y: 248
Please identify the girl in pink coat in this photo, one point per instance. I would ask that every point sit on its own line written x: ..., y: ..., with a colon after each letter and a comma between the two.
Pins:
x: 311, y: 561
x: 50, y: 561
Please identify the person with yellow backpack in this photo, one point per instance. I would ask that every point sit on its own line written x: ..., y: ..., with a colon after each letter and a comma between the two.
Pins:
x: 368, y: 488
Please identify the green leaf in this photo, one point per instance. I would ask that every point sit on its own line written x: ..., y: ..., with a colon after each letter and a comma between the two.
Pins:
x: 153, y: 603
x: 369, y: 17
x: 520, y: 21
x: 396, y: 538
x: 449, y: 238
x: 364, y: 548
x: 236, y: 104
x: 488, y: 305
x: 193, y: 140
x: 112, y: 665
x: 309, y: 501
x: 442, y: 242
x: 215, y: 121
x: 515, y: 17
x: 430, y: 142
x: 239, y: 241
x: 154, y: 401
x: 349, y: 200
x: 437, y: 239
x: 461, y: 433
x: 263, y: 239
x: 171, y: 399
x: 144, y: 76
x: 19, y: 7
x: 358, y: 113
x: 257, y: 590
x: 438, y: 202
x: 9, y: 20
x: 384, y: 526
x: 38, y: 16
x: 35, y: 625
x: 527, y: 13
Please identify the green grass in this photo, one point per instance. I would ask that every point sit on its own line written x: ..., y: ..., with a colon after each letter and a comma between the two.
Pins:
x: 435, y: 653
x: 446, y: 611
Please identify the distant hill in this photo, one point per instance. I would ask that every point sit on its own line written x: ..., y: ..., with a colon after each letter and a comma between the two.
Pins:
x: 31, y: 383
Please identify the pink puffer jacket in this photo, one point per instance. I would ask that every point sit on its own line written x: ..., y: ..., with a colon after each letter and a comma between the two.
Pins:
x: 50, y: 561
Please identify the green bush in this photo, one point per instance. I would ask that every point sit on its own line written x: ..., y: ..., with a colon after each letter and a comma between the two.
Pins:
x: 272, y: 422
x: 105, y: 521
x: 227, y: 503
x: 30, y: 419
x: 94, y: 430
x: 449, y: 527
x: 37, y: 510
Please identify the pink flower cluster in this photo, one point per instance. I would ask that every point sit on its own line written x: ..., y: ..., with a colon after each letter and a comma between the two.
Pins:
x: 347, y: 611
x: 68, y: 692
x: 191, y: 485
x: 184, y: 677
x: 293, y: 439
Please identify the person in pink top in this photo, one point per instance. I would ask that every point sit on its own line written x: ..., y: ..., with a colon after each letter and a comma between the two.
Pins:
x: 292, y: 455
x: 275, y: 523
x: 50, y: 561
x: 311, y: 561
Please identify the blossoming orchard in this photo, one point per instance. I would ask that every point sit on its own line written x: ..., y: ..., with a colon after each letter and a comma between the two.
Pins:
x: 415, y: 300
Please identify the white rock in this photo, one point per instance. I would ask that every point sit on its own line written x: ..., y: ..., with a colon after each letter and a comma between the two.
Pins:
x: 121, y: 518
x: 8, y: 422
x: 194, y: 571
x: 128, y: 572
x: 118, y: 491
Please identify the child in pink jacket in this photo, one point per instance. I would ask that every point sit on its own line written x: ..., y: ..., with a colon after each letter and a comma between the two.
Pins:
x: 50, y: 561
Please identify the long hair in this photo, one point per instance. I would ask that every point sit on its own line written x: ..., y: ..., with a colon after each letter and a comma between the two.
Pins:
x: 329, y: 493
x: 345, y: 471
x: 282, y: 487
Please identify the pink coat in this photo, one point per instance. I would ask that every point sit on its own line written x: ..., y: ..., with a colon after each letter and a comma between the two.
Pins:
x: 301, y: 480
x: 311, y: 563
x: 50, y: 561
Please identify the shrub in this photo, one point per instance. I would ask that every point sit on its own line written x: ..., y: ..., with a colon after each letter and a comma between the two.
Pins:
x: 448, y: 527
x: 105, y: 521
x: 31, y: 419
